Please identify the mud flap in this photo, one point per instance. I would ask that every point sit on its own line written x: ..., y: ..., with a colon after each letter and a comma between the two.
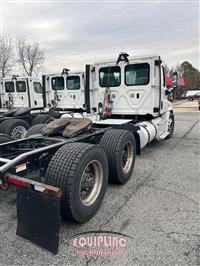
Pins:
x: 38, y: 218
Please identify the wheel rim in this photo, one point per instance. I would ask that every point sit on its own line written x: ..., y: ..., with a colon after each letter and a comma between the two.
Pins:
x: 18, y: 132
x: 170, y: 125
x: 127, y: 157
x: 91, y: 183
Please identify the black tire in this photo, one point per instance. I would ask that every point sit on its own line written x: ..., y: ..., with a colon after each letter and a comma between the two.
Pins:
x: 10, y: 112
x: 4, y: 138
x: 34, y: 130
x: 41, y: 119
x: 65, y: 171
x: 114, y: 142
x: 15, y: 128
x: 171, y: 126
x: 22, y: 111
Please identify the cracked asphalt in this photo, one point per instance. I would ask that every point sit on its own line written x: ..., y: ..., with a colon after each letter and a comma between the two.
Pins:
x: 158, y: 210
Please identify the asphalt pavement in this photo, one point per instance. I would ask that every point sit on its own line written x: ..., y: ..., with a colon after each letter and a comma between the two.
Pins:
x: 157, y: 211
x: 186, y: 106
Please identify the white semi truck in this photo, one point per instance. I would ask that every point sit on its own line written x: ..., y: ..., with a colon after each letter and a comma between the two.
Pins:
x: 20, y: 92
x: 63, y: 168
x: 65, y: 92
x: 131, y: 90
x: 24, y: 102
x: 18, y: 97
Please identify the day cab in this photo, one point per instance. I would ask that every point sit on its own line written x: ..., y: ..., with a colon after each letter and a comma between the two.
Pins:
x: 20, y: 92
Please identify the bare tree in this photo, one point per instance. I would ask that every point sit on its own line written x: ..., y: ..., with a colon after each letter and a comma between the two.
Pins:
x: 30, y: 56
x: 6, y: 55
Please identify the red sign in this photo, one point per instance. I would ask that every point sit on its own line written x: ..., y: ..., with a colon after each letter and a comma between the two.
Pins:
x: 169, y: 81
x: 181, y: 81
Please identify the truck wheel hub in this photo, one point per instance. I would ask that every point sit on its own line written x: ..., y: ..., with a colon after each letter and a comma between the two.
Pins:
x: 124, y: 157
x: 127, y: 157
x: 18, y: 132
x: 91, y: 182
x: 88, y: 182
x: 170, y: 125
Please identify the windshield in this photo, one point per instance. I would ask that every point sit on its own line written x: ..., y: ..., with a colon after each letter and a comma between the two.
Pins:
x: 20, y: 86
x: 73, y: 83
x: 57, y: 83
x: 9, y: 86
x: 110, y: 76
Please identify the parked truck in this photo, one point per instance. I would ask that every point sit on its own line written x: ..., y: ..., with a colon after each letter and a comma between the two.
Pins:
x: 18, y: 96
x: 62, y: 169
x: 25, y: 102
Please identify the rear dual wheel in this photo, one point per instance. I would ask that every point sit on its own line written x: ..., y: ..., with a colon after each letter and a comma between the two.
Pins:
x: 119, y: 146
x: 81, y: 171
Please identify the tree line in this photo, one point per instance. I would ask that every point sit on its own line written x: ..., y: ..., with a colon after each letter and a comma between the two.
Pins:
x: 27, y: 55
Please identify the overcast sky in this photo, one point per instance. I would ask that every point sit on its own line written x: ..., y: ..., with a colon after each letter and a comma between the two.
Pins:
x: 74, y: 33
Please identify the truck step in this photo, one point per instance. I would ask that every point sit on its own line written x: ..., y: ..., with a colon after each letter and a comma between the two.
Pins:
x: 163, y: 136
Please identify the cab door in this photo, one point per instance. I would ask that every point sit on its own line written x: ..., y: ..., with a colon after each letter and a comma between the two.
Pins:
x: 21, y: 94
x: 7, y: 95
x: 55, y: 92
x: 75, y: 91
x: 129, y: 85
x: 36, y: 94
x: 67, y: 91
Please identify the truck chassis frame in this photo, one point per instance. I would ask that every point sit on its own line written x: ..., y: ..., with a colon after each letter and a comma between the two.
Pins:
x: 23, y: 163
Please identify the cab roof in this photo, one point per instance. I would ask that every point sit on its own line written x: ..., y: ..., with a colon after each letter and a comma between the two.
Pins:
x: 60, y: 74
x: 130, y: 58
x: 11, y: 78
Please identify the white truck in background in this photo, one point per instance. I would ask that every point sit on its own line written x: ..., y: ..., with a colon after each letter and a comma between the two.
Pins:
x: 65, y: 92
x: 18, y: 97
x: 20, y: 92
x: 25, y: 102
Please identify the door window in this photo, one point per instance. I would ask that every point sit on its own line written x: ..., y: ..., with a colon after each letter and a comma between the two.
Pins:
x: 137, y: 74
x: 37, y: 87
x: 110, y: 76
x: 57, y: 83
x: 73, y: 83
x: 20, y: 86
x: 9, y: 86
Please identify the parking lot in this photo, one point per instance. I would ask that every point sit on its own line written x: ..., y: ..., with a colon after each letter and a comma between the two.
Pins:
x: 157, y: 210
x: 186, y: 106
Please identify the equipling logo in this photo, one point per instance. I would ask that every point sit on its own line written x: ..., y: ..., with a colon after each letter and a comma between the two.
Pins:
x: 91, y: 244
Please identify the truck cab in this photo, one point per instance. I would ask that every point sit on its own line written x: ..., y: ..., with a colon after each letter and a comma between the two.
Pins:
x: 25, y: 102
x: 20, y: 92
x: 135, y: 85
x: 65, y: 92
x: 131, y: 90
